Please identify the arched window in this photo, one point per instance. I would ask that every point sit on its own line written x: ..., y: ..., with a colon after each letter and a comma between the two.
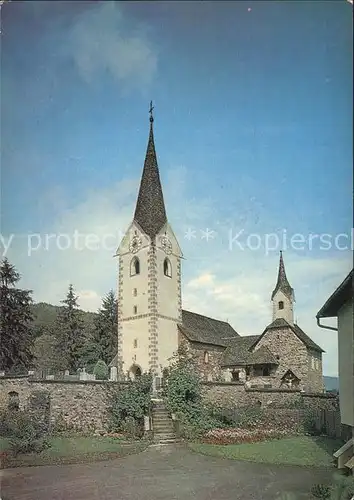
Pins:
x: 135, y: 343
x: 206, y: 357
x: 13, y: 403
x: 167, y: 269
x: 135, y: 266
x: 281, y: 304
x: 135, y: 309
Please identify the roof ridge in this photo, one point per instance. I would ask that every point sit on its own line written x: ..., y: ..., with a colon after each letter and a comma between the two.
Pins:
x: 208, y: 317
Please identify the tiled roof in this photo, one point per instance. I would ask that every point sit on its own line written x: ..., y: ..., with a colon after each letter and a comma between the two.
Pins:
x: 344, y: 292
x: 199, y: 328
x: 238, y: 351
x: 150, y: 211
x: 262, y: 355
x: 282, y: 323
x: 282, y: 282
x: 306, y: 339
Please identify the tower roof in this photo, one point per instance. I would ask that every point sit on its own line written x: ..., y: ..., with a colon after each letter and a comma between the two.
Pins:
x: 282, y: 282
x: 150, y: 211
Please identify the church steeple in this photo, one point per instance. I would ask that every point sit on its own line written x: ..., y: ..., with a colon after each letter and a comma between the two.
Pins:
x: 283, y: 296
x: 282, y: 282
x: 150, y: 211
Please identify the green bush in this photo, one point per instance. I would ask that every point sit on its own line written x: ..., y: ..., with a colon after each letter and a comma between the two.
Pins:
x: 342, y: 488
x: 183, y: 397
x: 129, y: 405
x: 24, y: 433
x: 5, y: 419
x: 101, y: 370
x: 321, y: 491
x: 132, y: 427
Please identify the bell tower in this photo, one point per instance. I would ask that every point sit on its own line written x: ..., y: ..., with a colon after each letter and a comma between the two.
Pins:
x: 149, y: 284
x: 283, y: 296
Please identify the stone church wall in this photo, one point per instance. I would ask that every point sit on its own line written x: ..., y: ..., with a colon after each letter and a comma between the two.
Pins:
x: 79, y: 405
x: 290, y: 352
x: 208, y: 359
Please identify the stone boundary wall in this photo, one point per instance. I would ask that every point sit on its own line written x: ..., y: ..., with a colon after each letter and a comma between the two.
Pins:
x: 233, y: 394
x: 82, y: 405
x: 79, y: 405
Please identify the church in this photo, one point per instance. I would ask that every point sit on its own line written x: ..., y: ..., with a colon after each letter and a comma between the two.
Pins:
x: 152, y: 323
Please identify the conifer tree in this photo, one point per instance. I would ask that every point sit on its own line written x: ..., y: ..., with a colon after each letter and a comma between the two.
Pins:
x: 70, y: 332
x: 15, y: 320
x: 106, y: 327
x: 104, y: 339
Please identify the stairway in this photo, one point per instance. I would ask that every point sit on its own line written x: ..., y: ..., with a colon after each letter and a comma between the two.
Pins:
x: 162, y: 424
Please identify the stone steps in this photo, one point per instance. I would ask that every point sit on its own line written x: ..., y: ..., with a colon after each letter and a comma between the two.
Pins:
x: 162, y: 425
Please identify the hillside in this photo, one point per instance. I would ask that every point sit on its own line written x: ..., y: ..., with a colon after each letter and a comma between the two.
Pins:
x: 331, y: 383
x: 45, y: 316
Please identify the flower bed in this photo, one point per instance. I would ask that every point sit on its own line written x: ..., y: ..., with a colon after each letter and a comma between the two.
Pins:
x: 238, y: 436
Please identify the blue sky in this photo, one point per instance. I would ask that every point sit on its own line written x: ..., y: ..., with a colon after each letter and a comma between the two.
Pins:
x: 253, y: 129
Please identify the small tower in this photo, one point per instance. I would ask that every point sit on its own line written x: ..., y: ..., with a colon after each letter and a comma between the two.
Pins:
x: 149, y: 286
x: 283, y: 297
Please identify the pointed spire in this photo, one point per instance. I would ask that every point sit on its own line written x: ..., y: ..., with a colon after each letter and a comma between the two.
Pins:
x: 150, y: 211
x: 282, y: 282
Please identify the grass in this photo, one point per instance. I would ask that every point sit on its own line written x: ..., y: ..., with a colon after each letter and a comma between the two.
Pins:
x: 69, y: 450
x: 300, y: 450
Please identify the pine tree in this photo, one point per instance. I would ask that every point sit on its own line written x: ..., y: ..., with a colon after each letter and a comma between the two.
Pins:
x: 70, y: 332
x: 106, y: 328
x: 15, y: 320
x: 104, y: 339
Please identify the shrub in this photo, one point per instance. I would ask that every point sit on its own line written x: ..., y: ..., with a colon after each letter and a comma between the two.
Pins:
x: 183, y: 397
x: 132, y: 428
x: 5, y: 418
x: 321, y: 491
x: 25, y: 435
x: 342, y: 488
x: 131, y: 404
x: 101, y: 370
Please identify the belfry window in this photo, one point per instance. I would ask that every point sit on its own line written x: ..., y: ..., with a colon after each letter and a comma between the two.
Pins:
x: 281, y: 304
x: 135, y: 266
x: 135, y: 309
x: 167, y: 270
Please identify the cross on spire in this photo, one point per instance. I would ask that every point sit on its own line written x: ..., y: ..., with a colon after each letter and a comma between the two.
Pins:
x: 150, y: 111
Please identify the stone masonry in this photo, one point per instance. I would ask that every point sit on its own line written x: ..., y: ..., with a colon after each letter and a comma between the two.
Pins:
x: 83, y: 405
x: 78, y: 405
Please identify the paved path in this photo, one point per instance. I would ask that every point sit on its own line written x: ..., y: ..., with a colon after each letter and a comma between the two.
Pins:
x: 160, y: 473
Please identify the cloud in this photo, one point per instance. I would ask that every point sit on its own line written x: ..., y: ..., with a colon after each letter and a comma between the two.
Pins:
x: 102, y: 41
x: 89, y: 300
x: 201, y: 282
